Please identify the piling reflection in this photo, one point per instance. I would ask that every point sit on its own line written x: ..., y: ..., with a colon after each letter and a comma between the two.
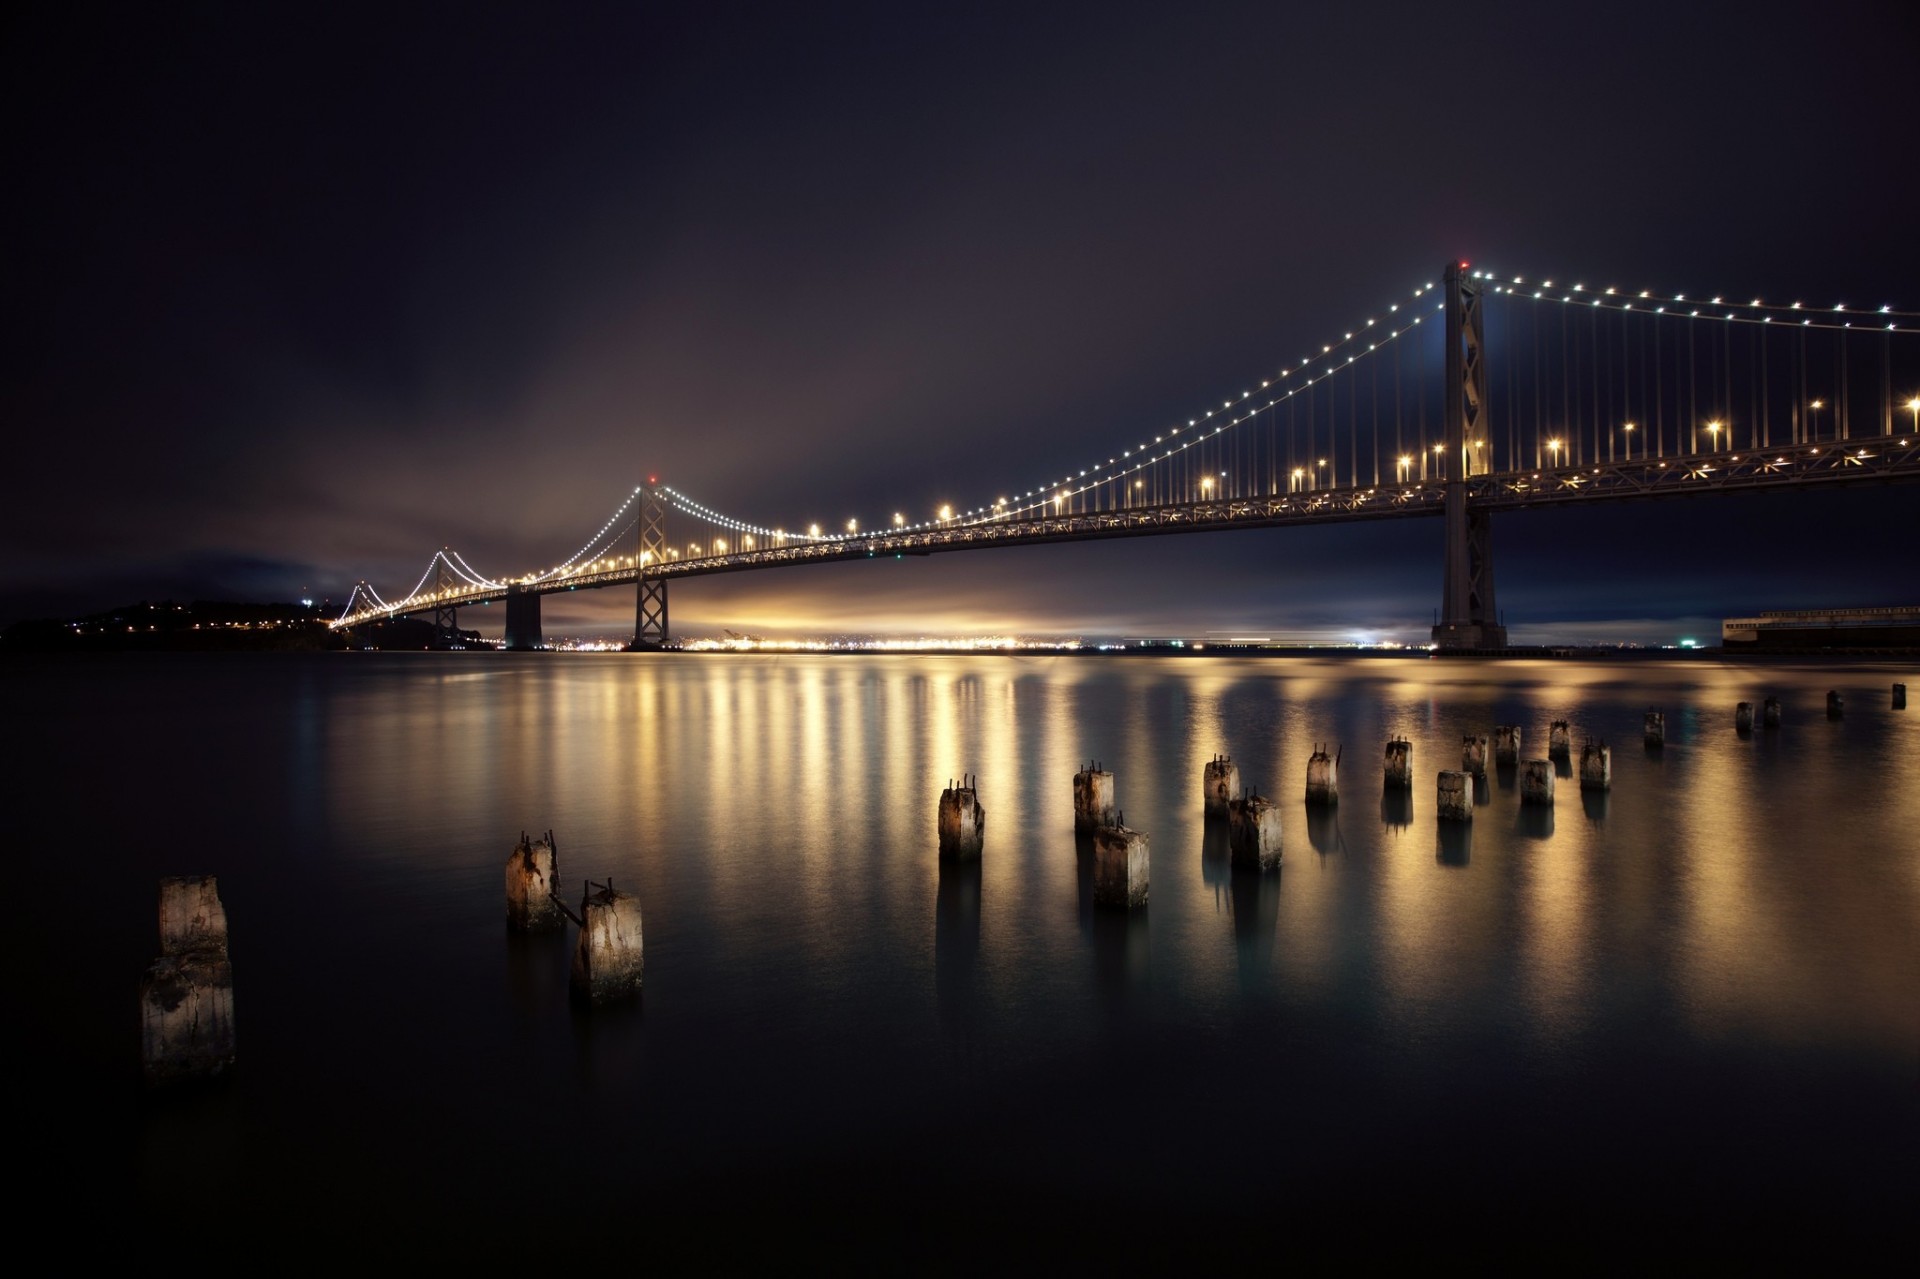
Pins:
x: 1396, y: 809
x: 1216, y: 866
x: 1120, y: 949
x: 1535, y: 821
x: 1454, y: 843
x: 1594, y: 804
x: 537, y: 970
x: 1482, y: 792
x: 956, y: 943
x: 1323, y: 830
x: 1256, y: 916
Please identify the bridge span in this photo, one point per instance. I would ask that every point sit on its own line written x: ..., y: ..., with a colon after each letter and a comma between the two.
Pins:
x: 1804, y: 400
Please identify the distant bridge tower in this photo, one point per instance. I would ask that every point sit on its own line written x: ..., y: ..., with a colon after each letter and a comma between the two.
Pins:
x: 650, y: 589
x: 1468, y: 617
x: 446, y: 618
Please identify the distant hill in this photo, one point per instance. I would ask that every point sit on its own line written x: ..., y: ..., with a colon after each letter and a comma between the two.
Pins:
x: 167, y: 626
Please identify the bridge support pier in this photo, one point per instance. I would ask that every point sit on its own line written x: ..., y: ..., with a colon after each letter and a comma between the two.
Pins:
x: 1468, y: 616
x: 523, y: 619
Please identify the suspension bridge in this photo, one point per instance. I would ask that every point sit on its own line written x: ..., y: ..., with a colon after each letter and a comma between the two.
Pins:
x: 1543, y: 392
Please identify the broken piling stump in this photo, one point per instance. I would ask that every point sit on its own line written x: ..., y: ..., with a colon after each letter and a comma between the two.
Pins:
x: 1323, y: 777
x: 1770, y: 713
x: 1119, y: 866
x: 186, y: 995
x: 1219, y: 783
x: 1596, y: 767
x: 1473, y: 754
x: 1254, y: 836
x: 1399, y: 765
x: 609, y: 958
x: 1536, y: 782
x: 1654, y: 728
x: 963, y: 822
x: 1836, y: 705
x: 1092, y: 798
x: 1559, y: 740
x: 1456, y: 797
x: 533, y: 875
x: 1506, y: 744
x: 1743, y: 718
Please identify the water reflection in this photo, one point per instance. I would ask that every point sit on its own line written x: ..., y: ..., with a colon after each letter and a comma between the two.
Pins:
x: 1731, y: 900
x: 956, y: 942
x: 1216, y: 866
x: 1256, y: 915
x: 1535, y: 821
x: 1323, y: 830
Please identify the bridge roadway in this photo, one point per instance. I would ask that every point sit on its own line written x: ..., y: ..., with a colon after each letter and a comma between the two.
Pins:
x: 1876, y: 459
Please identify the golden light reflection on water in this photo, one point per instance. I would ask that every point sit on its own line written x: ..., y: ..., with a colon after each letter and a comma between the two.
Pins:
x: 777, y: 813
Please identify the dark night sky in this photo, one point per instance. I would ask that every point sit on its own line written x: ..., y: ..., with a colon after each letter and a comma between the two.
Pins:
x: 302, y: 292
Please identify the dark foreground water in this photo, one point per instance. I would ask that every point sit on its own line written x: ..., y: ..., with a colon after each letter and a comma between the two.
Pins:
x: 1681, y: 1017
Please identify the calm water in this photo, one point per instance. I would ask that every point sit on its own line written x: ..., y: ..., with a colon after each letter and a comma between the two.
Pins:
x: 1686, y: 1014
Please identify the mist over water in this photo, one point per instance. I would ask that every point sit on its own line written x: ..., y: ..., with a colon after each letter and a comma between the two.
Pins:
x: 1678, y: 1014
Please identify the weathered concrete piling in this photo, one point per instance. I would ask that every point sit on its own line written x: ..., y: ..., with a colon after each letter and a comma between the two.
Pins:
x: 533, y: 873
x: 1456, y: 797
x: 1836, y: 706
x: 1559, y: 740
x: 186, y: 996
x: 1770, y: 713
x: 1899, y: 697
x: 1399, y: 771
x: 1323, y: 777
x: 1254, y: 838
x: 1093, y: 798
x: 1119, y: 866
x: 963, y: 822
x: 1473, y: 754
x: 1743, y: 718
x: 191, y: 915
x: 609, y: 958
x: 1536, y: 782
x: 1219, y: 783
x: 1506, y: 744
x: 1656, y: 728
x: 1596, y: 767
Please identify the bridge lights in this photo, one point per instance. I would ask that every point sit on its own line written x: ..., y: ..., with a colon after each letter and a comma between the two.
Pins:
x: 1913, y: 406
x: 1299, y: 473
x: 899, y: 520
x: 1813, y: 411
x: 946, y: 513
x: 1553, y: 448
x: 813, y: 530
x: 1628, y: 429
x: 1206, y: 486
x: 1406, y: 463
x: 853, y: 526
x: 1713, y: 431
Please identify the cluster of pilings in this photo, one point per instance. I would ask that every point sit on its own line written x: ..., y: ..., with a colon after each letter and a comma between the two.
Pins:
x: 186, y: 997
x: 1120, y: 859
x: 609, y: 957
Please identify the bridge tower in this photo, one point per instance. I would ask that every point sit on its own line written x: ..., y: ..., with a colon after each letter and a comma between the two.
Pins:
x: 446, y: 618
x: 1468, y: 617
x: 650, y: 589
